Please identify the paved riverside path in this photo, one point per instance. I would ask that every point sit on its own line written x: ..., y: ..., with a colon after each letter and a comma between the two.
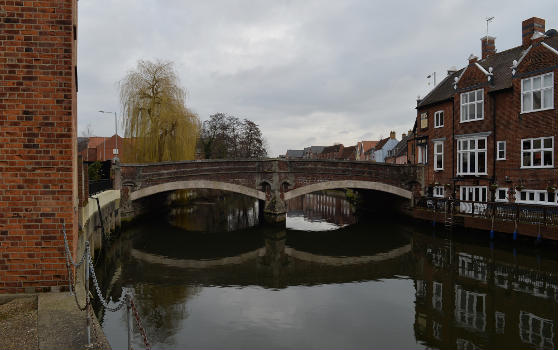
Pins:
x: 61, y: 325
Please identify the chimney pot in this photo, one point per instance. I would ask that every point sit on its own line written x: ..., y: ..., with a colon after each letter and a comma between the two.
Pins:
x: 472, y: 59
x: 529, y: 27
x: 488, y: 46
x: 403, y: 135
x: 392, y: 135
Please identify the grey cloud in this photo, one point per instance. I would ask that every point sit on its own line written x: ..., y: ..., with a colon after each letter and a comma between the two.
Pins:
x: 301, y: 70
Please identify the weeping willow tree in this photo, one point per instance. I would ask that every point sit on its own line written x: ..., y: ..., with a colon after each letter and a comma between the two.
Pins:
x: 157, y: 124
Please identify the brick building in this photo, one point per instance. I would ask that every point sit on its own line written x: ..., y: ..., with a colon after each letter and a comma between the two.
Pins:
x: 332, y: 152
x: 362, y: 147
x: 38, y: 150
x: 488, y: 131
x: 399, y: 155
x: 101, y: 148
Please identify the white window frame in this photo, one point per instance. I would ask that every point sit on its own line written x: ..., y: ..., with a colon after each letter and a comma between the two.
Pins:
x: 438, y: 154
x: 534, y: 197
x: 467, y: 103
x: 437, y: 295
x: 500, y: 147
x: 463, y: 152
x: 497, y: 198
x: 542, y: 149
x: 438, y: 192
x: 466, y: 305
x: 439, y: 119
x: 474, y: 194
x: 528, y: 90
x: 532, y: 330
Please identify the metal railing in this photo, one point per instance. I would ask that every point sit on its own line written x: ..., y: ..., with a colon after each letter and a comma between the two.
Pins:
x: 517, y: 212
x: 99, y: 186
x: 126, y: 298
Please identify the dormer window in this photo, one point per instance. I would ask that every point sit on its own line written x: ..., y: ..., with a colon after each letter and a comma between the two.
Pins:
x: 472, y: 106
x: 537, y: 93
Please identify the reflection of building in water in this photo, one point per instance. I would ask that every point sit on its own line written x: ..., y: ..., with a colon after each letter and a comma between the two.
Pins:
x: 221, y: 212
x: 471, y: 297
x: 320, y: 206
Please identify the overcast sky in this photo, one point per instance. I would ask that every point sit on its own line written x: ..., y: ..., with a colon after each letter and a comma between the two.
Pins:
x: 307, y: 72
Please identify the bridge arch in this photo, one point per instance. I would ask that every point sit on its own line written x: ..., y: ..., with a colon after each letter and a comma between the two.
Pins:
x: 365, y: 185
x: 196, y: 184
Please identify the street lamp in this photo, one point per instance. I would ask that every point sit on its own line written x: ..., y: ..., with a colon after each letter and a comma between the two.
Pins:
x: 115, y: 150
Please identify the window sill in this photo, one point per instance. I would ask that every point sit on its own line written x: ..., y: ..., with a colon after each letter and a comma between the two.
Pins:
x: 438, y: 127
x: 470, y: 121
x: 471, y: 174
x: 537, y: 167
x: 500, y: 158
x: 537, y: 110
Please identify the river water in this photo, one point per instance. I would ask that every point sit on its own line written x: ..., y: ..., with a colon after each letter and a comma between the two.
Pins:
x: 207, y: 275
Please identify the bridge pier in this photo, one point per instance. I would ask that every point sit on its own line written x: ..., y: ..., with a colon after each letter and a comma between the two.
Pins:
x: 275, y: 210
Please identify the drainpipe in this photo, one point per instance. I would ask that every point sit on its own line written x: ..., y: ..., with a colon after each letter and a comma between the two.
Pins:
x: 453, y: 144
x: 494, y: 155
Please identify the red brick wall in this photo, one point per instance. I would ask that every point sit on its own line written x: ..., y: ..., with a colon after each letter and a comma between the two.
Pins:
x: 37, y: 142
x: 505, y: 122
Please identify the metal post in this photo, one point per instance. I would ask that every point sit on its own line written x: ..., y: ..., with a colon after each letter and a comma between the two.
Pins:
x: 115, y: 133
x: 87, y: 303
x: 129, y: 319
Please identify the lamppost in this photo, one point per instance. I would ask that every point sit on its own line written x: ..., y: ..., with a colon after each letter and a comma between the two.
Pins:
x: 115, y: 150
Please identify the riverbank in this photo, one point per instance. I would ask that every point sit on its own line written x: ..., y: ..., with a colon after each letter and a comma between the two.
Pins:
x: 47, y: 321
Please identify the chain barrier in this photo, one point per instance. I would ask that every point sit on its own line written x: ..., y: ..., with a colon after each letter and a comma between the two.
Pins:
x: 140, y: 327
x: 90, y: 273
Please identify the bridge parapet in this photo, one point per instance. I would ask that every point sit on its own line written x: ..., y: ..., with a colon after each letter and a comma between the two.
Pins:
x: 272, y: 180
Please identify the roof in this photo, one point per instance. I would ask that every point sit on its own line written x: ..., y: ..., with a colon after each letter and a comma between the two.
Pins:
x: 331, y: 149
x: 315, y: 149
x: 295, y: 153
x: 381, y: 144
x: 501, y: 63
x: 348, y: 152
x: 367, y: 145
x: 401, y: 148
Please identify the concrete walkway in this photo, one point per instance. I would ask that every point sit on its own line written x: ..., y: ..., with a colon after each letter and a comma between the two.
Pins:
x: 61, y: 325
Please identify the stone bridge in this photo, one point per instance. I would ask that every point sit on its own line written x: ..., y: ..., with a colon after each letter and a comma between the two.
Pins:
x: 271, y: 180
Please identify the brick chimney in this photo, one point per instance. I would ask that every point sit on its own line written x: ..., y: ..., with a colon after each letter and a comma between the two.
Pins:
x: 529, y: 27
x: 392, y: 135
x: 403, y: 135
x: 488, y: 46
x: 473, y: 59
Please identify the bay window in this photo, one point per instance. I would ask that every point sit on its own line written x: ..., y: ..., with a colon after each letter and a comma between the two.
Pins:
x: 537, y: 152
x: 471, y: 156
x: 472, y: 106
x: 537, y: 93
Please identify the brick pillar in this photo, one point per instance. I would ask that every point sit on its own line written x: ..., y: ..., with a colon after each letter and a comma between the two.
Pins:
x: 38, y: 144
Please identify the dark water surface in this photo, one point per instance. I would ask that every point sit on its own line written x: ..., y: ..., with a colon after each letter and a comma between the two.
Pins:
x: 208, y: 276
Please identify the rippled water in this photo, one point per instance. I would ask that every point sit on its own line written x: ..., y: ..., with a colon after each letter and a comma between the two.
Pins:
x: 329, y: 279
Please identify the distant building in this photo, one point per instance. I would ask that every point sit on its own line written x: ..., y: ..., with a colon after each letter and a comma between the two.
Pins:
x: 398, y: 155
x: 349, y: 153
x: 100, y: 149
x: 294, y: 154
x: 332, y: 152
x: 312, y: 152
x: 362, y: 147
x: 379, y: 152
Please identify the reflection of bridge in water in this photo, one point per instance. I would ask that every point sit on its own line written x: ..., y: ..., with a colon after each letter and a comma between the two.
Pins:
x: 281, y: 264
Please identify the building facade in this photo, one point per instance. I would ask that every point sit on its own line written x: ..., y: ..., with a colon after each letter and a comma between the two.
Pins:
x: 379, y: 152
x: 38, y: 143
x: 489, y: 130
